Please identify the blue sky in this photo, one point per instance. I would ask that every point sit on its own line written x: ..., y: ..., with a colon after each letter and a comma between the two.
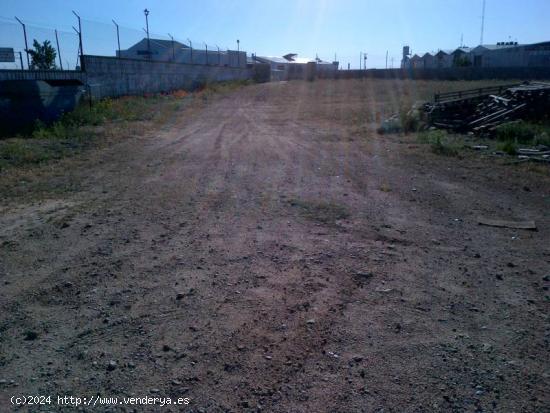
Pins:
x: 277, y: 27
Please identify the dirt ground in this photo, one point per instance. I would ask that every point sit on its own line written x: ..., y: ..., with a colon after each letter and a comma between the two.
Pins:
x: 270, y: 252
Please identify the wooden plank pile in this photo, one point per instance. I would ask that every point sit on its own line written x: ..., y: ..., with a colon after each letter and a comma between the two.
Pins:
x: 482, y: 110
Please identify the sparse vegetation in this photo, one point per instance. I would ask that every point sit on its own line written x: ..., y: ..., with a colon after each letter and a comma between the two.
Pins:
x: 524, y: 132
x: 79, y: 129
x: 325, y: 212
x: 508, y: 147
x: 409, y: 120
x: 439, y: 142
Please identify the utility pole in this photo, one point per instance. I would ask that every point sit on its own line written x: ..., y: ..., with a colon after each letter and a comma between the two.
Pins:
x: 191, y: 46
x: 348, y: 65
x: 238, y: 54
x: 219, y: 57
x: 482, y: 22
x: 117, y: 37
x: 146, y: 12
x: 173, y: 51
x: 206, y: 48
x: 386, y: 59
x: 26, y: 45
x: 80, y: 40
x: 58, y: 50
x: 365, y: 61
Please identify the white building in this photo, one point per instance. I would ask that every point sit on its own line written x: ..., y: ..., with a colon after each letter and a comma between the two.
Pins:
x: 281, y: 66
x: 174, y: 51
x: 502, y: 54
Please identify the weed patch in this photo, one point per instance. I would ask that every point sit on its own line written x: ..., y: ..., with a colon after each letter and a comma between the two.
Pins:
x: 526, y: 133
x: 439, y: 142
x: 79, y: 129
x: 325, y: 212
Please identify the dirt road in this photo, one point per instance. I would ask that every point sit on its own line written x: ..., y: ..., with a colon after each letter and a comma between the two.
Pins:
x: 270, y: 252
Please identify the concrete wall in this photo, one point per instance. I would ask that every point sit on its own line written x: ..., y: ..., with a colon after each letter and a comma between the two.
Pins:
x: 24, y: 101
x: 111, y: 76
x: 452, y: 73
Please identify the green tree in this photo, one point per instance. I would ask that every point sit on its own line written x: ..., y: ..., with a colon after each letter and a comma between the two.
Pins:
x: 43, y: 55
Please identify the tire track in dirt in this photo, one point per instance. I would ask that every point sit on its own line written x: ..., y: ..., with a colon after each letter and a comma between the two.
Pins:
x: 212, y: 260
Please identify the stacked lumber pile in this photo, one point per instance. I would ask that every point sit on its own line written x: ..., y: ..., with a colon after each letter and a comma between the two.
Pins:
x: 482, y: 110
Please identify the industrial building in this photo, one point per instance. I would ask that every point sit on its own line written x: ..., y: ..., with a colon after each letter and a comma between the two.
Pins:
x: 502, y: 54
x: 281, y: 67
x: 174, y: 51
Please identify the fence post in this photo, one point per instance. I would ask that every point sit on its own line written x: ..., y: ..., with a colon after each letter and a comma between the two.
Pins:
x: 26, y: 45
x: 58, y: 50
x: 80, y: 41
x: 117, y: 37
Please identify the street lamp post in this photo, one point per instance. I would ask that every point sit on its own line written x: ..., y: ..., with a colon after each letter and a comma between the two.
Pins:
x: 238, y: 53
x: 219, y: 57
x: 146, y: 12
x: 206, y: 48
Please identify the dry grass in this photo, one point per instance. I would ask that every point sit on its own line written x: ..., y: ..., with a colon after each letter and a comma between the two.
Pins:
x: 88, y: 126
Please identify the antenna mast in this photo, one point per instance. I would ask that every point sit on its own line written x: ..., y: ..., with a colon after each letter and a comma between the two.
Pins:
x: 482, y: 22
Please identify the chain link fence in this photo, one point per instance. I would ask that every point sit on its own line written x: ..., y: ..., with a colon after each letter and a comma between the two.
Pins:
x: 110, y: 39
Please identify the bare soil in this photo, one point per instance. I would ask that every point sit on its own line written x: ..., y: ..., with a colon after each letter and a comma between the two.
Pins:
x: 270, y: 252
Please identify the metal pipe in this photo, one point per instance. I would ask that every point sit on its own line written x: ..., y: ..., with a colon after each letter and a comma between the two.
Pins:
x: 26, y: 45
